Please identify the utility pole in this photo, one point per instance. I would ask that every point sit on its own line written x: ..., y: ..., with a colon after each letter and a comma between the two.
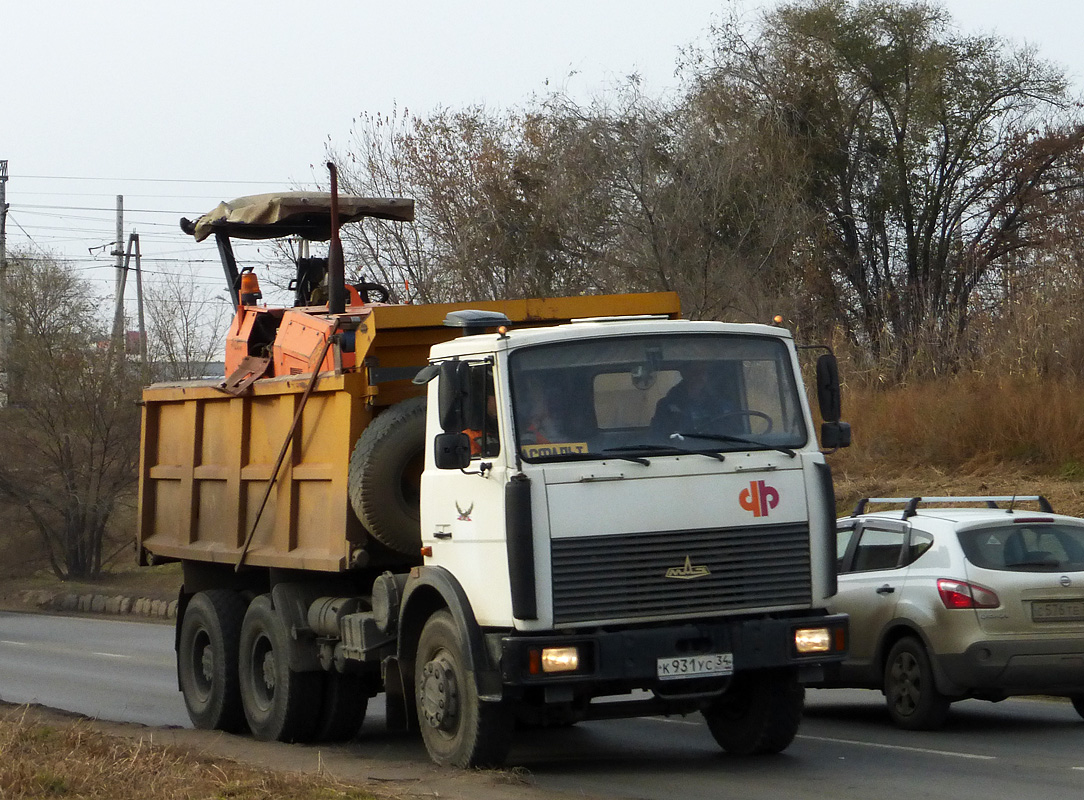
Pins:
x: 122, y: 280
x: 118, y: 251
x: 3, y: 284
x: 139, y: 299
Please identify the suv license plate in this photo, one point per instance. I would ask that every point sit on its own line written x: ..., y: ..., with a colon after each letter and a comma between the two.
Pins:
x: 1057, y: 610
x: 695, y: 666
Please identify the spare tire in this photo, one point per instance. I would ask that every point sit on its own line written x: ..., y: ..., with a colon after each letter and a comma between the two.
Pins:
x: 385, y: 476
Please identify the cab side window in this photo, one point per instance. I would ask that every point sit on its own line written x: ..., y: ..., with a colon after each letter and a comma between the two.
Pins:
x: 481, y: 413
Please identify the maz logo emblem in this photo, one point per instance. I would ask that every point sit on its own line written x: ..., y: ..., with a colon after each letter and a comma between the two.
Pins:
x: 464, y: 514
x: 688, y: 571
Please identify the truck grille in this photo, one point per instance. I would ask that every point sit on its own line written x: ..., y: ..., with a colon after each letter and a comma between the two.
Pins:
x: 625, y: 576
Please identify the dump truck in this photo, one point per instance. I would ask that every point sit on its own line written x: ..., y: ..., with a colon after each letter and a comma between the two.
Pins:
x: 495, y: 514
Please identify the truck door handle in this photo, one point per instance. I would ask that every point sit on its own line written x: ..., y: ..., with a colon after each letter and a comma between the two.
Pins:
x: 886, y: 589
x: 442, y: 534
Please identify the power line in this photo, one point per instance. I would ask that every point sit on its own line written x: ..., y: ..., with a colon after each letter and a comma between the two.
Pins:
x: 99, y: 208
x: 153, y: 180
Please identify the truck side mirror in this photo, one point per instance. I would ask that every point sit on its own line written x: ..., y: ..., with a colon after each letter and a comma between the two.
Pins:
x: 452, y: 393
x: 828, y: 394
x: 451, y: 450
x: 835, y: 435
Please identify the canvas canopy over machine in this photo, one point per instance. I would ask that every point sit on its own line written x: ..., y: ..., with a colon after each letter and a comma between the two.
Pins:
x: 312, y: 216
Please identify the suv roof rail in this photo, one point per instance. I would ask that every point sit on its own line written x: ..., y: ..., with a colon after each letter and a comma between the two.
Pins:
x: 910, y: 504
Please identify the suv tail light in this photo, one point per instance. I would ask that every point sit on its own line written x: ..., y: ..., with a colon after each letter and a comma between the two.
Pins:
x: 960, y: 594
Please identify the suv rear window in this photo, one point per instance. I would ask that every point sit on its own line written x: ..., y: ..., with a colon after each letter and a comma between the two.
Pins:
x: 1025, y: 548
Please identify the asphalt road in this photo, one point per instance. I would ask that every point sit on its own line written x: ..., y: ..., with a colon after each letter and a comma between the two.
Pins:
x: 1021, y: 748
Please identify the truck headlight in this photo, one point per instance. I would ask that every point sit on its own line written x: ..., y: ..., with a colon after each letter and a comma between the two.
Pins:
x: 813, y: 640
x: 554, y: 659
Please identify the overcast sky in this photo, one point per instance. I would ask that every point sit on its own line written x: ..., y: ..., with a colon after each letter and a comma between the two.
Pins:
x: 177, y: 106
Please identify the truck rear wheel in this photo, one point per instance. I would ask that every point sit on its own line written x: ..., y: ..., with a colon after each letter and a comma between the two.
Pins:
x: 457, y: 728
x: 280, y: 704
x: 759, y: 714
x: 207, y: 660
x: 386, y: 473
x: 343, y: 707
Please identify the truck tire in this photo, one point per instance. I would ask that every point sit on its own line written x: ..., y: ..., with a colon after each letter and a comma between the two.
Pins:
x: 385, y: 476
x: 913, y: 700
x: 280, y: 704
x: 207, y: 650
x: 759, y: 714
x: 342, y: 708
x: 457, y: 728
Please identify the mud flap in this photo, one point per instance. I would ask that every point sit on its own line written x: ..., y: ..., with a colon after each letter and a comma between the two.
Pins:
x: 397, y: 709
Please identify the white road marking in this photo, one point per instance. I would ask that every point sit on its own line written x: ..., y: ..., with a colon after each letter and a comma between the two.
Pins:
x: 901, y: 747
x: 110, y: 655
x: 865, y: 744
x: 14, y: 644
x: 677, y: 721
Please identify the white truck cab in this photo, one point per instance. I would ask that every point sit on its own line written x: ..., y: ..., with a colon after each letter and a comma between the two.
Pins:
x: 635, y: 504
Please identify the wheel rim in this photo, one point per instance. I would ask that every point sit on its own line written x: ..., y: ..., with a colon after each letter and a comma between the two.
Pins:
x: 264, y: 672
x: 203, y: 661
x: 906, y: 684
x: 438, y: 694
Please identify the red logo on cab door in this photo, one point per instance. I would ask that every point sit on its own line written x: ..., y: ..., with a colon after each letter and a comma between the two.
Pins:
x: 759, y: 498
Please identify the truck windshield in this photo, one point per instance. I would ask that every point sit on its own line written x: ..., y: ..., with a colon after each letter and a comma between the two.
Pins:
x: 638, y: 396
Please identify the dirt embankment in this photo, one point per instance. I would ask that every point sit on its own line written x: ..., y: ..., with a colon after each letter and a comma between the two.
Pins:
x: 50, y: 753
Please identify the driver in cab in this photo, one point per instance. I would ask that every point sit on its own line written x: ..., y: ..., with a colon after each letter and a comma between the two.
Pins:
x: 692, y: 405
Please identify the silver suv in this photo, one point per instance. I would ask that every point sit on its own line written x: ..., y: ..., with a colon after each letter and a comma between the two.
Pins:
x: 949, y: 603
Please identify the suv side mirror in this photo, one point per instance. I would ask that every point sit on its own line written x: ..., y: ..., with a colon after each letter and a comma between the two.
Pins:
x: 828, y: 394
x: 451, y: 450
x: 452, y: 393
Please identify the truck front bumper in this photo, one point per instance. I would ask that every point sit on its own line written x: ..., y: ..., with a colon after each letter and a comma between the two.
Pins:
x: 631, y: 657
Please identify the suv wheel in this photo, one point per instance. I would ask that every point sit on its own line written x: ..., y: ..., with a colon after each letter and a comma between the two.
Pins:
x: 913, y: 700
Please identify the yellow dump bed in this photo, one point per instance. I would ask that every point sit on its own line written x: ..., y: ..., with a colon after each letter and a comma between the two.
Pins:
x: 206, y: 457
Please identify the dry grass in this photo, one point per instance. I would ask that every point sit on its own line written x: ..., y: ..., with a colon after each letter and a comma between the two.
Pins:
x: 71, y: 760
x: 970, y: 421
x: 972, y: 434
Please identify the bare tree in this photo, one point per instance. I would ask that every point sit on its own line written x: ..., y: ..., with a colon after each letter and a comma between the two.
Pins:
x: 931, y: 157
x: 71, y: 439
x: 186, y: 326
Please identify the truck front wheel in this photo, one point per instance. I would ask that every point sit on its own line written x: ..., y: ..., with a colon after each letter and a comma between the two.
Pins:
x: 207, y: 660
x: 457, y: 728
x: 280, y: 704
x: 759, y: 714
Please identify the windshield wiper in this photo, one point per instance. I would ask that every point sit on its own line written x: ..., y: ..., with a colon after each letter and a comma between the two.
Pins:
x: 725, y: 437
x: 665, y: 448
